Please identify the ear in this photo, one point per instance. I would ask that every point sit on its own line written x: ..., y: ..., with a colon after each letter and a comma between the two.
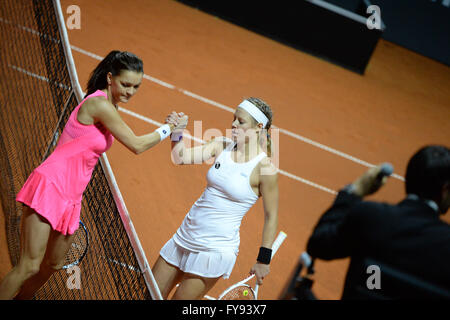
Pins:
x: 109, y: 78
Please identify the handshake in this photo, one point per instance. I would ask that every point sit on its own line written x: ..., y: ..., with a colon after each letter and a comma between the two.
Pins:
x: 178, y: 122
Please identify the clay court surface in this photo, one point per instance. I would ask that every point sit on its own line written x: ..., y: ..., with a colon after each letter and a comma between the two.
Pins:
x: 399, y: 105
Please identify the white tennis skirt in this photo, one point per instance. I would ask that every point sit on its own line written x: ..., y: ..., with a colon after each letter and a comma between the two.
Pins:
x: 207, y: 264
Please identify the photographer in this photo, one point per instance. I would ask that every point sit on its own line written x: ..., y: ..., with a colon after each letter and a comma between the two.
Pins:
x: 407, y: 242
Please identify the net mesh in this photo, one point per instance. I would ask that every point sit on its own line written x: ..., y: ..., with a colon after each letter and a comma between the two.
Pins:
x: 36, y: 99
x: 242, y: 292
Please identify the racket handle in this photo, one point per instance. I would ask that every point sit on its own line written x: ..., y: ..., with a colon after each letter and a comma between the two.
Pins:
x: 278, y: 241
x: 275, y: 246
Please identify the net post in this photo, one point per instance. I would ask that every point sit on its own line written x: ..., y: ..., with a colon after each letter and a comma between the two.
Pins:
x: 131, y: 232
x: 126, y: 220
x: 67, y: 51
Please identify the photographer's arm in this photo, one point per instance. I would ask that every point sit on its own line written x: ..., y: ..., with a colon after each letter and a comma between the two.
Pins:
x: 332, y: 237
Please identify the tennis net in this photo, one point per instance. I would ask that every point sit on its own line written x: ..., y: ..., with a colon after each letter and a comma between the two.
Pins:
x: 38, y: 91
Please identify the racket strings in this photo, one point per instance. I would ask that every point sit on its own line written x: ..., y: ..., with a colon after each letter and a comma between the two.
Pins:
x: 242, y: 292
x: 77, y: 248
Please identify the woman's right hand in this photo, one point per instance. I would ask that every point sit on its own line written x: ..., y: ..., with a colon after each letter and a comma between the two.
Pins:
x: 172, y: 120
x: 182, y: 121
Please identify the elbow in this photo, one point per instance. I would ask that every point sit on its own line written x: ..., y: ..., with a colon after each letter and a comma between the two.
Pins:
x: 143, y: 143
x: 140, y: 146
x: 134, y: 145
x: 271, y: 218
x: 137, y: 149
x: 176, y: 159
x: 317, y: 249
x: 311, y: 249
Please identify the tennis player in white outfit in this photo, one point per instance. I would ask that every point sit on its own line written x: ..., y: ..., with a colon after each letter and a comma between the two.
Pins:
x: 205, y: 246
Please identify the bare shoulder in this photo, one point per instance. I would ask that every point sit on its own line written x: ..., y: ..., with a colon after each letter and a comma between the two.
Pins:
x: 98, y: 104
x: 98, y: 109
x: 268, y: 172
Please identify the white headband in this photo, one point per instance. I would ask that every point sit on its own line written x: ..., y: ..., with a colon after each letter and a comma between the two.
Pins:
x: 257, y: 114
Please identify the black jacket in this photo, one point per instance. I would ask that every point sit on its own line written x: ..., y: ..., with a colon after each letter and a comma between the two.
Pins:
x: 408, y: 241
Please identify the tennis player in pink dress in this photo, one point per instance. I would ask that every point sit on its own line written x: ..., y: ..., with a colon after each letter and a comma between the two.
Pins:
x: 53, y: 192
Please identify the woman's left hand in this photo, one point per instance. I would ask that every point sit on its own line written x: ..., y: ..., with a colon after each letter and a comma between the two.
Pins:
x: 260, y: 270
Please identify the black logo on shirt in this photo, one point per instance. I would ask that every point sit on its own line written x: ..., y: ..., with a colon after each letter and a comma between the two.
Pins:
x: 217, y: 165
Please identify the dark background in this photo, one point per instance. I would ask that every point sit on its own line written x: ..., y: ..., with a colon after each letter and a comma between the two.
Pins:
x: 422, y: 26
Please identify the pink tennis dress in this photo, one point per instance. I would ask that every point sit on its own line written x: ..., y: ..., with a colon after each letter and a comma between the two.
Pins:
x: 55, y: 188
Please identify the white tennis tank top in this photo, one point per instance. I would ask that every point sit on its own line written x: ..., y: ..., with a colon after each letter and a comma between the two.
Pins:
x: 214, y: 220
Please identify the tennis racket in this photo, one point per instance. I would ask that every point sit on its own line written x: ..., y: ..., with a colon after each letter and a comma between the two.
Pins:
x: 242, y: 290
x: 78, y: 248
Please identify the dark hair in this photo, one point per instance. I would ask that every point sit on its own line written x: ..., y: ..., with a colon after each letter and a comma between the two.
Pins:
x: 427, y: 172
x: 114, y: 62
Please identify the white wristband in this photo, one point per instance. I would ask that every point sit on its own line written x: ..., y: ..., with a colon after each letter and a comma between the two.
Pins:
x: 164, y: 131
x: 176, y: 136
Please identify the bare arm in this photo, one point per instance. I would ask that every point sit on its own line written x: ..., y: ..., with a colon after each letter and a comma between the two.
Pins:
x: 104, y: 112
x: 199, y: 154
x: 196, y: 155
x: 269, y: 191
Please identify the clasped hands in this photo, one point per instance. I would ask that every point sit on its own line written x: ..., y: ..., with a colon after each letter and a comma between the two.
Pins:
x: 178, y: 120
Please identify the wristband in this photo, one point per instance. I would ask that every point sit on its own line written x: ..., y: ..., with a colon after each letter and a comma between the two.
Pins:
x: 176, y: 136
x: 265, y: 255
x: 164, y: 131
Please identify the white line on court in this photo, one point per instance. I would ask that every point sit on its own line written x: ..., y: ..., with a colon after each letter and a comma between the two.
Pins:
x: 158, y: 124
x: 213, y: 103
x: 282, y: 172
x: 32, y: 74
x: 226, y: 108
